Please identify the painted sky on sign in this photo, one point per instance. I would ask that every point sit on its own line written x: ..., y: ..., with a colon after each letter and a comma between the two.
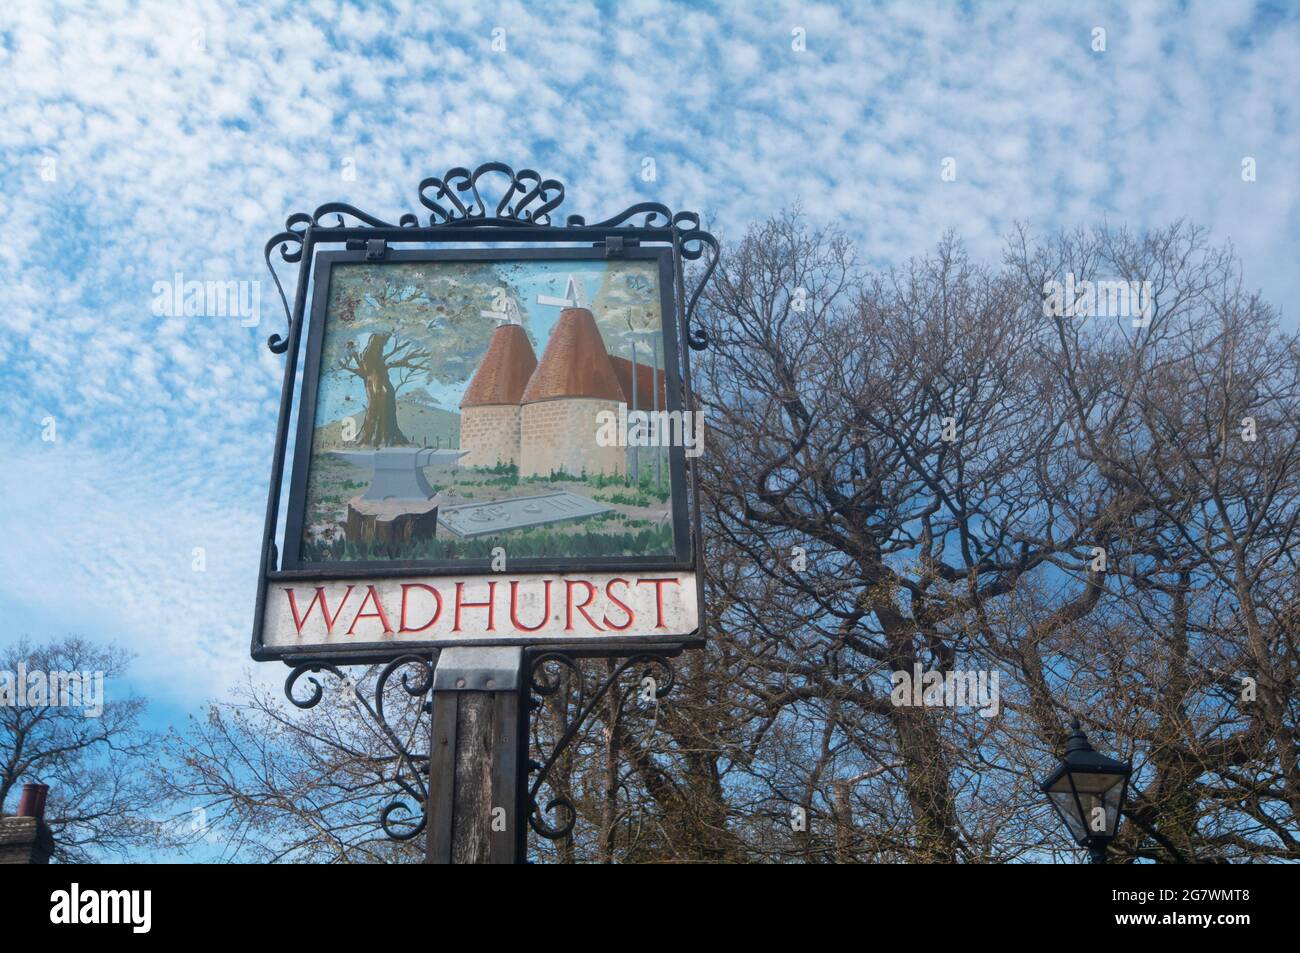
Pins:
x: 344, y: 394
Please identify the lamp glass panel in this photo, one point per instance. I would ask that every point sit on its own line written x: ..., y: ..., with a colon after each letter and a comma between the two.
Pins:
x: 1100, y: 804
x: 1069, y: 811
x: 1095, y: 783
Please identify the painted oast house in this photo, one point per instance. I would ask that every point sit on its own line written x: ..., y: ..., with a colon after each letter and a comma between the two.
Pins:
x: 489, y: 409
x: 541, y: 416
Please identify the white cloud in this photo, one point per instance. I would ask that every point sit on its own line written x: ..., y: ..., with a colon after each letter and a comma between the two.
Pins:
x: 106, y: 541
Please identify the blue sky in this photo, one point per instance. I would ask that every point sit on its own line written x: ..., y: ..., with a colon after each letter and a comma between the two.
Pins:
x: 145, y: 139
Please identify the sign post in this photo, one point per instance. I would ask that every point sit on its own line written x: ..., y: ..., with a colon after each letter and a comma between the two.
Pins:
x: 475, y: 757
x: 479, y: 505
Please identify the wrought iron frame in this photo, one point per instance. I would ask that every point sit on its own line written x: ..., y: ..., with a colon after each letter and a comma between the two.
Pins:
x: 412, y: 768
x: 460, y: 212
x: 539, y: 687
x: 410, y: 774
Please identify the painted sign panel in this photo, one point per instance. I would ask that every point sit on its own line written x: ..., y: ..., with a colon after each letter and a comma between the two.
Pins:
x: 362, y: 613
x: 463, y: 407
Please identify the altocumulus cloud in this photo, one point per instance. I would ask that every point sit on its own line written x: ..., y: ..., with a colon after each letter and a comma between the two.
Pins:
x: 142, y: 140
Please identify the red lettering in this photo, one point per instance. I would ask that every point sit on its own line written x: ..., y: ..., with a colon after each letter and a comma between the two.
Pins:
x: 377, y: 614
x: 514, y: 606
x: 609, y: 594
x: 659, y: 597
x: 489, y: 605
x: 569, y: 607
x: 437, y: 596
x: 299, y: 621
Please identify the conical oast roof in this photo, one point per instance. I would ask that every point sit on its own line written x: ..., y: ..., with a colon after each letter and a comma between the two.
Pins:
x: 506, y: 368
x: 575, y: 362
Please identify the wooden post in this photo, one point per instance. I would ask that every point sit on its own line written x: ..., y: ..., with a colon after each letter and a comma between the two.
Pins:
x: 476, y: 757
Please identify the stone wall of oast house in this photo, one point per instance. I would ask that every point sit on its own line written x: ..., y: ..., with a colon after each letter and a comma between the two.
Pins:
x: 490, y: 434
x: 560, y: 435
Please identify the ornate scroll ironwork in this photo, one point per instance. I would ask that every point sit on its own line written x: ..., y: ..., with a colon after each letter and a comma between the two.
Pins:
x: 565, y: 687
x: 576, y: 698
x: 524, y: 203
x: 398, y: 819
x: 531, y: 188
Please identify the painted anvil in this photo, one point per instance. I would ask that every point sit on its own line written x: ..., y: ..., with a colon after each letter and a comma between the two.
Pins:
x: 398, y: 471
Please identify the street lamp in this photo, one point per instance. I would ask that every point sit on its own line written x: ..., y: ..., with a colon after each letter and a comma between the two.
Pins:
x: 1087, y: 789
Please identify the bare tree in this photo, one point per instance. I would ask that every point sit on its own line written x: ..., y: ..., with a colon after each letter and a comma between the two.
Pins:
x: 57, y: 727
x: 1195, y: 413
x: 270, y: 783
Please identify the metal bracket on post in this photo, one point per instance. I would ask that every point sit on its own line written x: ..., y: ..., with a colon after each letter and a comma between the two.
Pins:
x: 615, y: 246
x: 478, y: 669
x: 476, y: 753
x: 376, y: 249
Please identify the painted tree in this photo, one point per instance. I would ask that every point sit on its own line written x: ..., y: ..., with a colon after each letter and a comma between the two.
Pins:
x: 403, y: 324
x: 374, y: 364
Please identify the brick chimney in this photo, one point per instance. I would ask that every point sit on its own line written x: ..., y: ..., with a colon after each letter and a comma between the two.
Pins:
x: 24, y: 838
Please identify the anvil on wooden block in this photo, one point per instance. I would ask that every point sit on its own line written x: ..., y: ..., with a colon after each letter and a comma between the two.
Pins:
x: 398, y: 472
